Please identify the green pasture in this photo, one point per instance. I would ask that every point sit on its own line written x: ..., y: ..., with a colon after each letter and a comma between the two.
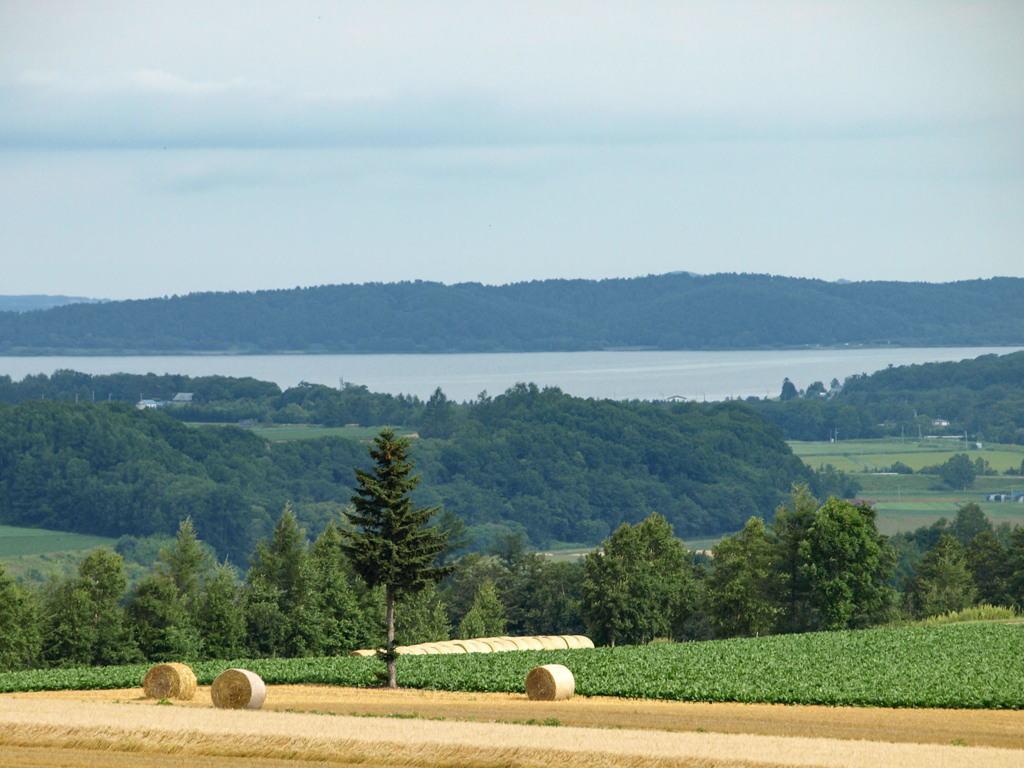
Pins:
x: 878, y: 455
x: 907, y: 502
x: 34, y: 554
x: 21, y: 542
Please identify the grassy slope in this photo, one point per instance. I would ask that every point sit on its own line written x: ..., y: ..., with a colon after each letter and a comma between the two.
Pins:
x: 960, y: 666
x: 34, y: 553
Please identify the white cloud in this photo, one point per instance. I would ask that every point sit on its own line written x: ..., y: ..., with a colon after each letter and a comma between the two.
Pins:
x: 505, y: 140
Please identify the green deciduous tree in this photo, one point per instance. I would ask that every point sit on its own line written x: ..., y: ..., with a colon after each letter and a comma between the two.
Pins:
x: 847, y: 565
x: 347, y: 610
x: 988, y: 562
x: 640, y: 585
x: 743, y: 591
x: 958, y: 471
x: 970, y: 520
x: 84, y: 621
x: 19, y: 630
x: 421, y: 617
x: 790, y: 527
x: 392, y: 543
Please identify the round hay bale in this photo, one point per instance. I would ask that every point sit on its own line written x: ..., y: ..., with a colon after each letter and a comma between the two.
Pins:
x: 572, y: 641
x: 502, y: 644
x: 170, y: 681
x: 411, y: 650
x: 585, y: 642
x: 551, y: 682
x: 531, y: 643
x: 238, y: 689
x: 363, y: 652
x: 472, y: 646
x: 554, y: 642
x: 431, y: 649
x: 448, y: 646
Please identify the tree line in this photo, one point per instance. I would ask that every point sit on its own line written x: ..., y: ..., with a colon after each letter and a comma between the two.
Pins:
x: 982, y: 397
x: 537, y: 462
x: 814, y: 567
x: 681, y: 311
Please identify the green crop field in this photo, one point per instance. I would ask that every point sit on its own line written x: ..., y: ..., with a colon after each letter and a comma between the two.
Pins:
x: 959, y: 666
x: 878, y: 455
x: 907, y: 502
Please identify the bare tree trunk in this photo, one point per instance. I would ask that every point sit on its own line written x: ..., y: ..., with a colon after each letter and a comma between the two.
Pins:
x: 389, y: 597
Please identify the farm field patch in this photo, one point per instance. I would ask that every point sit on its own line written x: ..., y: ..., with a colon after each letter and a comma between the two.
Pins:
x: 379, y: 727
x: 958, y: 666
x: 907, y: 502
x: 20, y: 542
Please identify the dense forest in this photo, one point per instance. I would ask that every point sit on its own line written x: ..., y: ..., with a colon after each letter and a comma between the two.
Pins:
x: 537, y: 462
x: 673, y: 311
x: 191, y: 499
x: 983, y: 398
x: 76, y: 454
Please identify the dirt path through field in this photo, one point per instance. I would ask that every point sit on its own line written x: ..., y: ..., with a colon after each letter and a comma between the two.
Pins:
x: 307, y: 725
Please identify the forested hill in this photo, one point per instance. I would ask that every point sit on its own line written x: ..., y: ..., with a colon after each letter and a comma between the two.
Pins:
x: 983, y: 397
x: 674, y: 311
x: 537, y: 462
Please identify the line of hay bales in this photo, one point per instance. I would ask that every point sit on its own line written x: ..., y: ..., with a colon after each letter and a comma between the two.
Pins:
x: 490, y: 645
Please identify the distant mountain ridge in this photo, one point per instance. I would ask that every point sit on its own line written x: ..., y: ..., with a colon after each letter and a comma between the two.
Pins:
x: 30, y: 302
x: 672, y: 311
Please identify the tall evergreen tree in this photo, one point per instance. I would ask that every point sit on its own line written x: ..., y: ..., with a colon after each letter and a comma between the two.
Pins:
x: 347, y: 611
x: 392, y: 543
x: 943, y: 582
x: 280, y: 592
x: 487, y: 616
x: 219, y: 615
x: 186, y: 563
x: 159, y: 621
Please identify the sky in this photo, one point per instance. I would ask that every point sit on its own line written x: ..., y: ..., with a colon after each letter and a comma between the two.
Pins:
x: 153, y: 148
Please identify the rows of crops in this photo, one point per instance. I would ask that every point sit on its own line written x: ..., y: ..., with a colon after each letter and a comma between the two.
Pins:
x: 956, y: 666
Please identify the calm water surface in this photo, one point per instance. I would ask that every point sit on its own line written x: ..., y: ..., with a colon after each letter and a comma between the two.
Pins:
x: 614, y: 375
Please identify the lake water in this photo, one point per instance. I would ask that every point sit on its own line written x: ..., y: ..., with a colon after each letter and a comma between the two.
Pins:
x: 639, y: 375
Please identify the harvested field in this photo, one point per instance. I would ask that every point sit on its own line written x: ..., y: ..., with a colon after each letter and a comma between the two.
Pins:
x: 328, y: 726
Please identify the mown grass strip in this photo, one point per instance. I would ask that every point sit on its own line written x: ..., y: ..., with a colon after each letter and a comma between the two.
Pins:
x: 962, y: 666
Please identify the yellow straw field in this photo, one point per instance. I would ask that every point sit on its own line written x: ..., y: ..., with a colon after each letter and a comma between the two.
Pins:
x: 328, y: 726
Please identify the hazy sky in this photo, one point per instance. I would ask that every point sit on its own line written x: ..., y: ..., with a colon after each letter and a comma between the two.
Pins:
x: 154, y: 148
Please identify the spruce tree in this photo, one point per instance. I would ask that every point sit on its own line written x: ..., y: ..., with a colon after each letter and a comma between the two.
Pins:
x: 392, y: 543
